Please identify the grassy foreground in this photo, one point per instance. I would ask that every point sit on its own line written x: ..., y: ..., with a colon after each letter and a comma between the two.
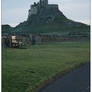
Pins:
x: 24, y: 69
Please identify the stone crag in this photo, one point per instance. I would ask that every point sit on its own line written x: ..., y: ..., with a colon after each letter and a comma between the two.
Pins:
x: 47, y: 18
x: 42, y: 12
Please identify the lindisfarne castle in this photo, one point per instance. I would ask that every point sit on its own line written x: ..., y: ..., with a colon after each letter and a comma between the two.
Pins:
x: 43, y: 4
x: 46, y: 23
x: 42, y: 12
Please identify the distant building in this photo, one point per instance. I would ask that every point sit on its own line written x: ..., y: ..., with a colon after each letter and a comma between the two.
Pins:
x: 42, y: 12
x: 38, y: 6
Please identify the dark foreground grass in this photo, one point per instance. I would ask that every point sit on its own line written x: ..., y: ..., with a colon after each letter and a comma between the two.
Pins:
x: 24, y: 69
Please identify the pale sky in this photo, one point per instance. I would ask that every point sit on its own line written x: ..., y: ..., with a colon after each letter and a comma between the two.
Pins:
x: 16, y: 11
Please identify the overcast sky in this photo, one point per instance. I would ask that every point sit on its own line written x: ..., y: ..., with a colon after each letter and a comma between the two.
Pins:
x: 16, y: 11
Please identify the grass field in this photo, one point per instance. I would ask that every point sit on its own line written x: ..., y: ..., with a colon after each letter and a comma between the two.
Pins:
x: 24, y: 69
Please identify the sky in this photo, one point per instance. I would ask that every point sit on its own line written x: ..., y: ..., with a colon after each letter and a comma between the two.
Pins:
x: 16, y: 11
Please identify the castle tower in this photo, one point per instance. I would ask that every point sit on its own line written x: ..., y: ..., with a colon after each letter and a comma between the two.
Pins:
x: 44, y: 3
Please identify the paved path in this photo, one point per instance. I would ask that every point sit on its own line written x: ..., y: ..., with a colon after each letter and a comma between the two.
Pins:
x: 77, y: 80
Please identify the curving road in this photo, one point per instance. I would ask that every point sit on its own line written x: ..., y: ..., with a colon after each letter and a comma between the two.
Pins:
x: 77, y: 80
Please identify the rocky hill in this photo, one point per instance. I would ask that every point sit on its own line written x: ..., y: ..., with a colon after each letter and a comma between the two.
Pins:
x: 47, y: 18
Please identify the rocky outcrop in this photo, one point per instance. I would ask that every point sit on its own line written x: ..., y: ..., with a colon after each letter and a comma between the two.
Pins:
x: 47, y: 18
x: 43, y: 13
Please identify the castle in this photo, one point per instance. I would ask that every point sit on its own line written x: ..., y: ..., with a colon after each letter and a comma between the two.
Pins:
x: 42, y: 12
x: 45, y: 23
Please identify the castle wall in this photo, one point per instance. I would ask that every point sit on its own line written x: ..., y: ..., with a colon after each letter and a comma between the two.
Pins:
x: 53, y: 6
x: 33, y: 10
x: 44, y: 3
x: 42, y: 12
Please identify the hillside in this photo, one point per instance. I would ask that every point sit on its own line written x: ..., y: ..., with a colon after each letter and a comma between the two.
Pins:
x: 60, y: 25
x: 6, y: 28
x: 50, y: 20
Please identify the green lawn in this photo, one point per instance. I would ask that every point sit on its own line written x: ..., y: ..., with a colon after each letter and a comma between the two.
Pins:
x: 24, y: 69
